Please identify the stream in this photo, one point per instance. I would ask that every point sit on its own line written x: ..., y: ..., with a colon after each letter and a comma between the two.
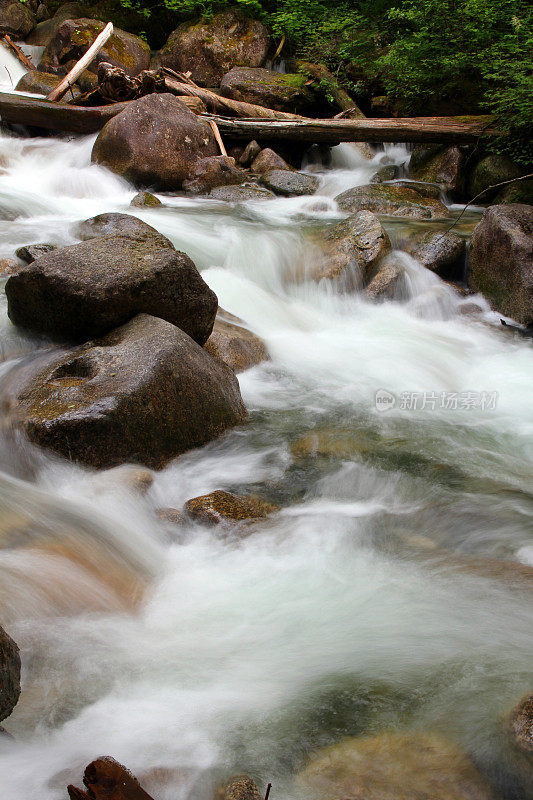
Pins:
x: 390, y: 590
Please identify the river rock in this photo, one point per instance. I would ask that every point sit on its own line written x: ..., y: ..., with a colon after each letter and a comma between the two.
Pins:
x: 145, y: 199
x: 397, y: 201
x: 393, y: 766
x: 276, y: 90
x: 115, y: 223
x: 9, y: 674
x: 220, y: 506
x: 521, y: 724
x: 154, y: 142
x: 488, y: 171
x: 501, y: 260
x: 231, y: 343
x: 207, y: 173
x: 289, y: 183
x: 353, y: 248
x: 31, y: 252
x: 388, y: 173
x: 249, y: 154
x: 210, y: 47
x: 442, y: 252
x: 518, y: 192
x: 86, y: 289
x: 436, y: 164
x: 144, y: 393
x: 45, y: 31
x: 268, y: 160
x: 240, y: 788
x: 16, y: 19
x: 8, y: 266
x: 388, y: 283
x: 38, y: 82
x: 74, y: 36
x: 240, y: 194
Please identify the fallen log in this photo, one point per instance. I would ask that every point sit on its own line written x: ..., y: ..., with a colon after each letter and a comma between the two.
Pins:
x: 457, y: 130
x: 38, y: 113
x: 106, y: 779
x: 81, y: 65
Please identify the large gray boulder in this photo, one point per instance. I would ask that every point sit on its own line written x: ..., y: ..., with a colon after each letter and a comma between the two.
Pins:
x: 501, y: 260
x: 154, y: 142
x: 280, y: 91
x: 144, y: 393
x: 9, y: 674
x: 85, y: 290
x: 73, y: 38
x: 437, y: 164
x: 211, y: 47
x: 289, y: 183
x: 393, y: 199
x: 16, y: 19
x: 443, y: 252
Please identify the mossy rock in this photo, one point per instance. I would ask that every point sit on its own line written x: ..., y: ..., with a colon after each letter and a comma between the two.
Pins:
x: 391, y: 199
x: 281, y: 92
x: 489, y: 171
x: 220, y: 506
x: 42, y: 83
x: 16, y: 19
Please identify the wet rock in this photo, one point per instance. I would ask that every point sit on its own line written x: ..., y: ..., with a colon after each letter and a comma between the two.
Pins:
x: 9, y: 674
x: 8, y: 266
x: 154, y: 142
x: 234, y: 345
x: 208, y: 173
x: 353, y: 248
x: 115, y: 223
x: 172, y: 516
x: 134, y: 479
x: 30, y: 252
x: 249, y: 154
x: 521, y: 724
x: 388, y: 283
x: 397, y: 201
x: 488, y: 171
x: 335, y: 444
x: 240, y: 788
x: 438, y: 165
x: 73, y: 37
x: 45, y: 31
x: 16, y: 19
x: 145, y: 199
x: 442, y: 252
x: 421, y: 187
x: 289, y: 183
x: 209, y: 48
x: 276, y: 90
x: 220, y: 506
x: 38, y: 82
x: 501, y: 261
x: 87, y: 289
x: 144, y: 393
x: 394, y: 766
x: 518, y: 192
x: 387, y: 173
x: 240, y: 194
x: 268, y: 160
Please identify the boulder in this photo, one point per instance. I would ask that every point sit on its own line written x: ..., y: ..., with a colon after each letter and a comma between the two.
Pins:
x: 276, y: 90
x: 144, y: 393
x: 393, y: 766
x: 442, y: 252
x: 154, y: 142
x: 518, y: 192
x: 388, y: 283
x: 45, y: 31
x: 521, y: 724
x: 392, y: 199
x: 289, y: 183
x: 249, y: 154
x: 220, y: 506
x: 30, y: 252
x: 207, y: 173
x: 488, y: 171
x: 117, y: 224
x: 73, y: 37
x: 210, y: 47
x: 16, y: 19
x: 38, y: 82
x: 501, y: 260
x: 8, y: 266
x: 231, y: 343
x: 86, y: 289
x: 268, y: 160
x: 240, y: 194
x: 9, y: 674
x: 387, y: 173
x: 240, y: 788
x: 436, y: 164
x: 353, y: 248
x: 145, y: 199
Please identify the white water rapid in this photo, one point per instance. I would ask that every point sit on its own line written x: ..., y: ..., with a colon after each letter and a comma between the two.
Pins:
x: 387, y: 592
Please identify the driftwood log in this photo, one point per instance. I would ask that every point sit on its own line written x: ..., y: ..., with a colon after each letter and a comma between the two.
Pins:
x: 106, y: 779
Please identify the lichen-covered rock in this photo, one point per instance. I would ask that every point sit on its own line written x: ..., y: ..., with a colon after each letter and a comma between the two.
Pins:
x: 145, y: 199
x: 154, y: 142
x: 211, y: 47
x: 393, y: 766
x: 353, y: 248
x: 38, y: 82
x: 276, y: 90
x: 144, y: 393
x: 268, y: 160
x: 234, y: 344
x: 45, y: 31
x: 289, y: 183
x: 240, y: 788
x: 9, y: 674
x: 436, y: 164
x: 31, y: 252
x: 220, y: 506
x: 240, y: 194
x: 73, y: 38
x: 16, y: 19
x: 207, y: 173
x: 489, y: 171
x: 387, y: 173
x: 392, y: 199
x: 442, y: 252
x: 115, y: 223
x: 501, y: 260
x: 86, y: 289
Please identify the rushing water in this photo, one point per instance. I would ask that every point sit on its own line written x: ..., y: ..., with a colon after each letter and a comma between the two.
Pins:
x: 387, y: 592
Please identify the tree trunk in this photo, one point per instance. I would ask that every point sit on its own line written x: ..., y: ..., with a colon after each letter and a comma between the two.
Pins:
x: 330, y: 87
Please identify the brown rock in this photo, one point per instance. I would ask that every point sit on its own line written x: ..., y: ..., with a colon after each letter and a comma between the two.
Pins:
x: 276, y: 90
x: 144, y: 394
x: 239, y: 788
x: 521, y: 724
x: 398, y: 201
x: 8, y: 266
x: 9, y: 674
x: 268, y: 160
x: 45, y: 31
x: 442, y: 252
x: 172, y: 516
x: 154, y: 142
x: 388, y: 283
x: 207, y: 173
x: 438, y: 165
x: 220, y: 506
x: 145, y: 199
x: 240, y: 194
x: 38, y: 82
x: 289, y: 183
x: 16, y: 19
x: 209, y: 48
x: 250, y: 153
x: 234, y: 345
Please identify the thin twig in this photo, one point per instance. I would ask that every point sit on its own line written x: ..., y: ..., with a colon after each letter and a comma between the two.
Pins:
x: 267, y: 794
x: 279, y: 48
x: 218, y: 137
